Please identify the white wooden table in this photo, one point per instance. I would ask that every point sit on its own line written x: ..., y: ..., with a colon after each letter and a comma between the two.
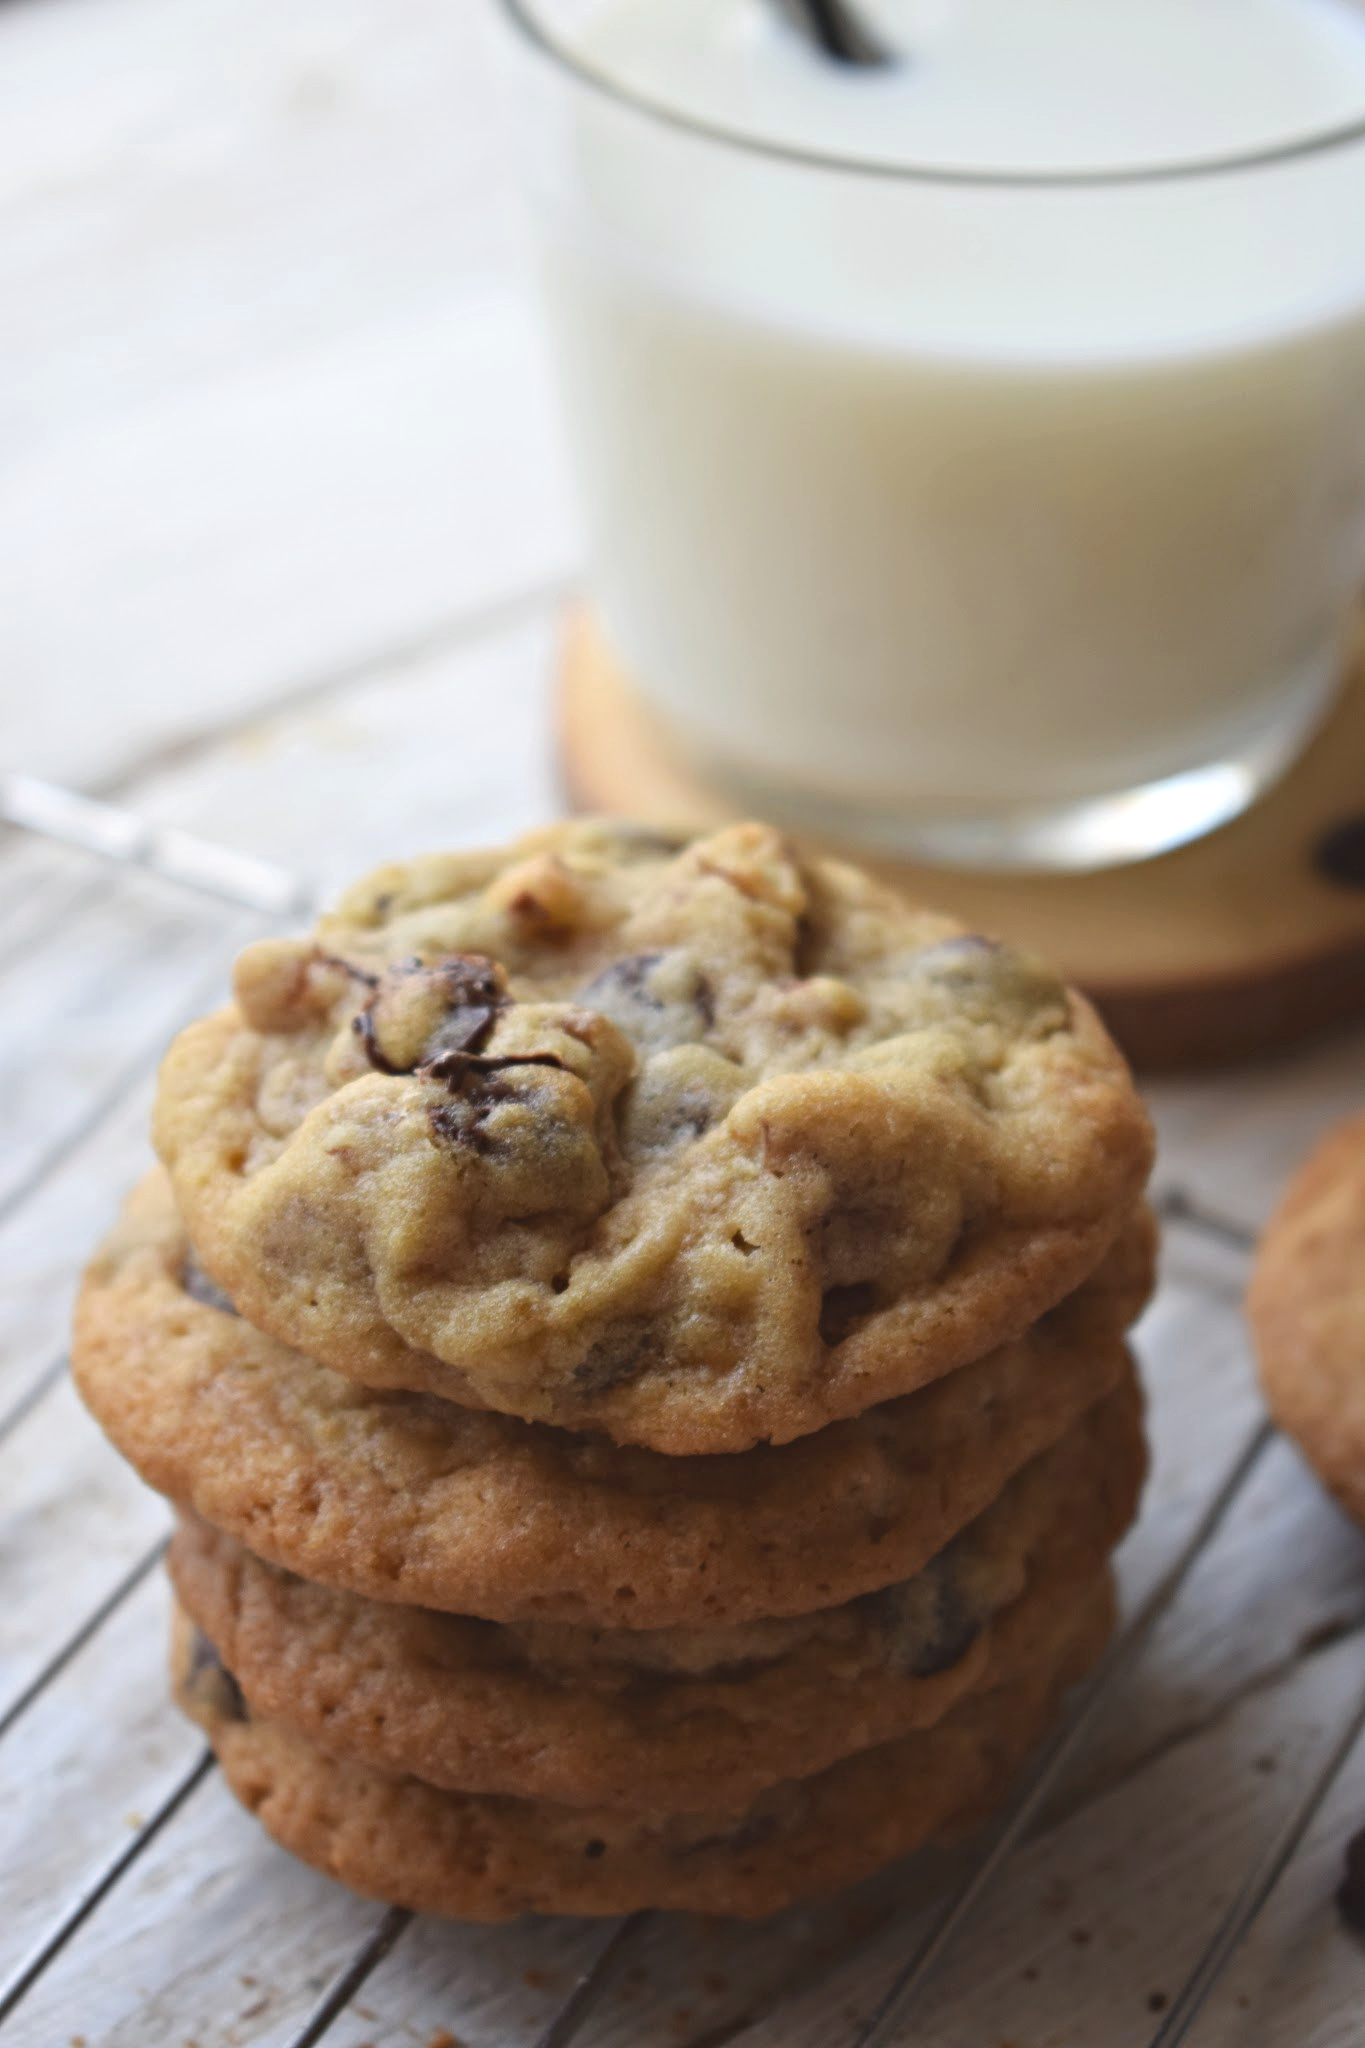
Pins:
x: 283, y: 539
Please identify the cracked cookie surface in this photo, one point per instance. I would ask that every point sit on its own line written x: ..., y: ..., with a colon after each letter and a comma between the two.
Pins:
x: 699, y: 1144
x: 1307, y: 1309
x: 489, y: 1857
x: 404, y: 1498
x: 670, y: 1718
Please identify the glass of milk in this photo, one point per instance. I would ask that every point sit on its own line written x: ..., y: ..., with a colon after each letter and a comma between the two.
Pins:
x: 973, y: 449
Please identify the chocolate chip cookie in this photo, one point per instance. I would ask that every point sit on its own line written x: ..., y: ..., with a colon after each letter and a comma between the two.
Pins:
x: 700, y: 1144
x: 486, y: 1857
x: 1307, y: 1308
x: 404, y: 1498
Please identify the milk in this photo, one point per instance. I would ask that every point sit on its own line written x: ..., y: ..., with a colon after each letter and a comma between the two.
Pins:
x: 1010, y: 508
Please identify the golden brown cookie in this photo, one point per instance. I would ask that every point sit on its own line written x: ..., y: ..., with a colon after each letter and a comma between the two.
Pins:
x: 676, y: 1718
x: 702, y: 1145
x: 1307, y: 1308
x: 484, y: 1857
x: 404, y: 1498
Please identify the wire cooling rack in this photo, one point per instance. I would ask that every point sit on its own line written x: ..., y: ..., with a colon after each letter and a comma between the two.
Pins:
x: 273, y: 897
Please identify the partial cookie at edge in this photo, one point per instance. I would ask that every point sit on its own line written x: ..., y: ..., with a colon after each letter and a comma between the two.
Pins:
x: 1307, y: 1310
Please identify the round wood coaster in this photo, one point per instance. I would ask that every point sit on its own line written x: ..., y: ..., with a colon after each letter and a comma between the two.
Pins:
x: 1240, y: 942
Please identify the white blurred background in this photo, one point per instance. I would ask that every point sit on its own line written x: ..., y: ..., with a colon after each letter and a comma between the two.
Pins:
x: 273, y: 402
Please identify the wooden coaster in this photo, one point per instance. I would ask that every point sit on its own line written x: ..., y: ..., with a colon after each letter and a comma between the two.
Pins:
x: 1245, y: 940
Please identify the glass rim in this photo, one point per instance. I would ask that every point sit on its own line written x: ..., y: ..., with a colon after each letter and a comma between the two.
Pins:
x: 524, y: 17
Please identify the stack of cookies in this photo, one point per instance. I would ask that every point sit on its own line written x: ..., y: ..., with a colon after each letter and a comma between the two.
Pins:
x: 633, y: 1327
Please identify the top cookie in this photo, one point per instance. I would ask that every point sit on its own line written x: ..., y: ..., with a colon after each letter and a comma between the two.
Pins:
x: 1307, y: 1307
x: 699, y: 1143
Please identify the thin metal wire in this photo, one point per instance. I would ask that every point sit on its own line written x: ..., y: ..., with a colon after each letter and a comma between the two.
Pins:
x: 587, y: 1992
x: 94, y: 1621
x: 112, y: 833
x: 1177, y: 1205
x: 344, y: 1987
x: 1241, y: 1915
x: 895, y: 2004
x: 51, y: 1946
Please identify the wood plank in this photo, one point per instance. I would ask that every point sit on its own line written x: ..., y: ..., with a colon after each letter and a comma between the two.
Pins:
x: 95, y: 1001
x: 1089, y: 1936
x: 1234, y: 1139
x: 83, y: 1768
x: 45, y: 1243
x: 73, y: 1521
x: 220, y: 1940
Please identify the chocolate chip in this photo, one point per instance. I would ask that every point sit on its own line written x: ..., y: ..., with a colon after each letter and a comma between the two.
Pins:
x: 656, y: 999
x: 1351, y: 1895
x: 476, y: 1087
x: 421, y: 1010
x: 463, y: 1119
x: 1340, y: 853
x: 676, y: 1097
x: 843, y: 1308
x: 210, y: 1684
x: 198, y: 1285
x: 622, y: 1355
x: 626, y: 978
x: 927, y: 1622
x: 684, y: 1116
x: 991, y: 983
x: 363, y: 975
x: 595, y: 1848
x: 454, y: 1067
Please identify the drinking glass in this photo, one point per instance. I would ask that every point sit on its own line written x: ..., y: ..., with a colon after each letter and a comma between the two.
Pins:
x: 1003, y: 519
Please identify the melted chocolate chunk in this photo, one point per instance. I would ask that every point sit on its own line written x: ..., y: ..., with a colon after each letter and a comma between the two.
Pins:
x: 199, y: 1287
x: 463, y: 1120
x: 423, y: 1010
x: 210, y: 1684
x: 676, y: 1097
x: 656, y: 999
x: 927, y: 1622
x: 622, y: 1355
x: 843, y: 1308
x: 476, y: 1088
